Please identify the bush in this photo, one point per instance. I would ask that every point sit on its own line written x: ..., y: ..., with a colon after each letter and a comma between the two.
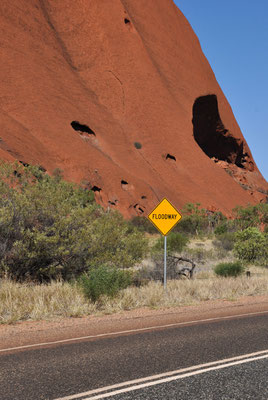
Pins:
x: 251, y: 246
x: 221, y: 229
x: 50, y: 228
x: 194, y: 220
x: 143, y: 224
x: 176, y: 242
x: 225, y: 241
x: 251, y: 216
x: 198, y: 221
x: 104, y: 280
x: 229, y: 269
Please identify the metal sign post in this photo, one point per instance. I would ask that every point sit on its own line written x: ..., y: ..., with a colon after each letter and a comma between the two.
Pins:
x: 165, y: 262
x: 164, y: 217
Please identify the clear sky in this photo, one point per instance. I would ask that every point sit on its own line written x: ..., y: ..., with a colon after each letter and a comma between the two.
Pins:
x: 234, y: 37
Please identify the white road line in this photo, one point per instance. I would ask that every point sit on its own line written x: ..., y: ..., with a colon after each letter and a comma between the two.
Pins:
x: 155, y: 378
x: 173, y: 378
x: 132, y: 331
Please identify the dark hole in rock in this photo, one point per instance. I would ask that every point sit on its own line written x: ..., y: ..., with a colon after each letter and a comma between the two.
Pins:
x: 143, y: 197
x: 16, y: 173
x: 124, y: 184
x: 25, y: 164
x: 127, y: 21
x: 212, y: 136
x: 138, y: 145
x: 138, y: 208
x: 170, y: 157
x: 82, y: 128
x: 113, y: 203
x: 95, y: 189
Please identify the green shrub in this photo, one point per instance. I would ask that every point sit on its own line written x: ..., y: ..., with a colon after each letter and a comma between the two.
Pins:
x: 143, y: 224
x: 251, y: 216
x: 221, y: 229
x: 176, y: 242
x: 229, y: 269
x: 225, y: 241
x: 50, y: 228
x: 194, y: 220
x: 251, y: 246
x: 104, y: 280
x: 198, y: 221
x: 138, y: 145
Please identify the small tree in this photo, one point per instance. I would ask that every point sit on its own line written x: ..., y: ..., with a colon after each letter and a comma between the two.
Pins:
x: 251, y: 216
x: 251, y: 245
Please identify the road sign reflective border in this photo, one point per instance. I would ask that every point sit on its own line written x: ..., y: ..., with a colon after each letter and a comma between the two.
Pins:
x: 165, y: 217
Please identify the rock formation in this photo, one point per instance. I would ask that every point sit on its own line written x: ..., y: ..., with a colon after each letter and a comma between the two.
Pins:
x: 119, y: 96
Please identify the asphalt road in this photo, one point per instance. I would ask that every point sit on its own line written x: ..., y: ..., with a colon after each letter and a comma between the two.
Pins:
x: 247, y: 382
x: 58, y: 371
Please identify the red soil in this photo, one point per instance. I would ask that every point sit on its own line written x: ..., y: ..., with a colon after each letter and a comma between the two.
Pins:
x: 131, y: 72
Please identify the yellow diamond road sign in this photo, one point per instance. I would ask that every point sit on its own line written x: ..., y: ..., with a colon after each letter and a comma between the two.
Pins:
x: 164, y: 217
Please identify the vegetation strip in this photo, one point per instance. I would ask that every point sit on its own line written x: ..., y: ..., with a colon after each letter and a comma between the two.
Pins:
x: 62, y: 255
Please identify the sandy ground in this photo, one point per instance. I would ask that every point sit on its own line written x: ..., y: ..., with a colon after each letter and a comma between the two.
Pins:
x: 36, y: 332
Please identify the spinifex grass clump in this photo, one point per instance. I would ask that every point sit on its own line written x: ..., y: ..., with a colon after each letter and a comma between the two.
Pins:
x: 104, y: 280
x: 233, y: 269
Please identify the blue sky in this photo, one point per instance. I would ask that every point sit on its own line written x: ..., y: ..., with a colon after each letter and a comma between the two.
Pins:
x: 234, y: 37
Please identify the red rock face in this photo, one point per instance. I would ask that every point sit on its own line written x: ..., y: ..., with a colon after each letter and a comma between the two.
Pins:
x: 118, y: 94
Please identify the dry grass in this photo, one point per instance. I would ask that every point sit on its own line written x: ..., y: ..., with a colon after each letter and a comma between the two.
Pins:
x: 186, y: 292
x: 20, y: 302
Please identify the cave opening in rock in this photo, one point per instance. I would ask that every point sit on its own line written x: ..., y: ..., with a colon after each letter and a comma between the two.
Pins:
x: 96, y: 189
x: 124, y: 184
x: 82, y: 128
x: 138, y: 208
x: 170, y: 157
x: 212, y: 136
x: 127, y: 21
x: 25, y: 164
